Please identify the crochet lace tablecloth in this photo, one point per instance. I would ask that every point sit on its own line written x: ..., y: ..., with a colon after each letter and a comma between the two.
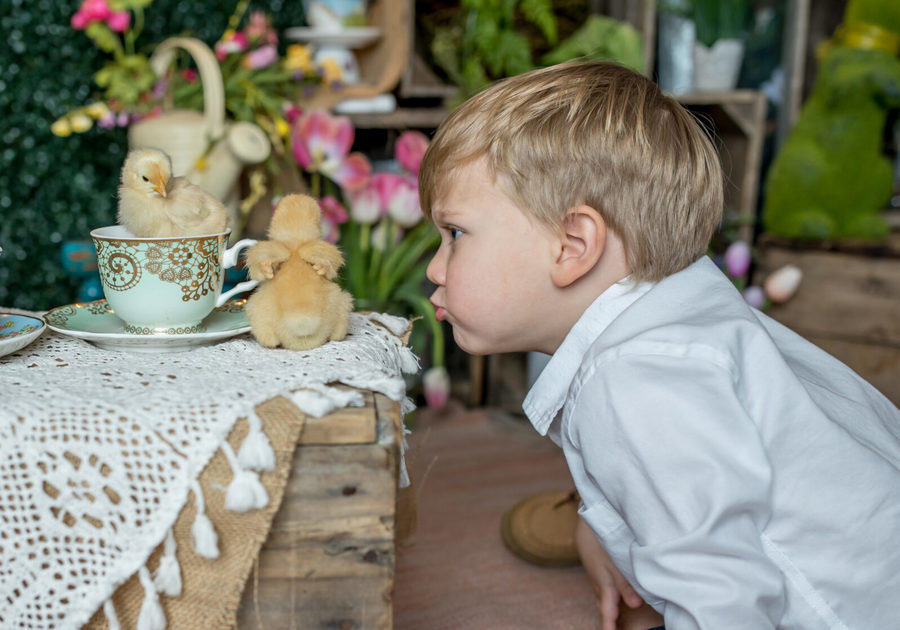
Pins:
x: 99, y: 450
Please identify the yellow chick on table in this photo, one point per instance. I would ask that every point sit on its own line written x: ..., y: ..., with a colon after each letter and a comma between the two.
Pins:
x: 153, y: 203
x: 298, y: 305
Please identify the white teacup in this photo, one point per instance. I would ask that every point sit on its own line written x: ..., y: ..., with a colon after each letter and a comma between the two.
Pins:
x: 165, y: 285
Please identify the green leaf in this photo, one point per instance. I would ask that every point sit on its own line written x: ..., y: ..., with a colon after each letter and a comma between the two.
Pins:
x: 513, y: 54
x: 601, y: 38
x: 104, y: 38
x: 540, y: 13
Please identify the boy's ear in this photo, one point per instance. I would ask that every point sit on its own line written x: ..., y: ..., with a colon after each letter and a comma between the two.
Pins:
x: 581, y: 243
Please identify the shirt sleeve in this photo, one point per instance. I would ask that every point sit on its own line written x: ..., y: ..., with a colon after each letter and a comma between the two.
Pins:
x: 669, y: 445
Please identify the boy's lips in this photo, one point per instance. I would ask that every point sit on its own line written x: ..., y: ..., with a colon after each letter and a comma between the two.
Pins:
x: 440, y: 313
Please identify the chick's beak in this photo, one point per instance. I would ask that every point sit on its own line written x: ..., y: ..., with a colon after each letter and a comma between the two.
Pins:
x: 159, y: 183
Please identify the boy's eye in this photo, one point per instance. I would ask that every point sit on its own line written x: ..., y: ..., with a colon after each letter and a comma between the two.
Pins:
x: 454, y: 232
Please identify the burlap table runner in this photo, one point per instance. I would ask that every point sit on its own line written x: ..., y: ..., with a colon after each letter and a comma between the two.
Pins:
x: 212, y: 589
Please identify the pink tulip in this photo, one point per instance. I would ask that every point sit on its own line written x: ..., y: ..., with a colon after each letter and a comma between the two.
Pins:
x: 754, y: 296
x: 436, y: 383
x: 365, y: 206
x: 409, y: 150
x: 261, y: 57
x: 333, y: 214
x: 119, y: 21
x: 404, y: 207
x: 386, y: 184
x: 353, y: 172
x: 737, y: 259
x: 321, y: 141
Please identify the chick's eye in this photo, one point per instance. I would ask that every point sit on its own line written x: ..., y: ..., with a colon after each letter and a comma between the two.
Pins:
x: 145, y: 178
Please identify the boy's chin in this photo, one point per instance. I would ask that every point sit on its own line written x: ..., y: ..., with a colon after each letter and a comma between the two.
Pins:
x: 476, y: 347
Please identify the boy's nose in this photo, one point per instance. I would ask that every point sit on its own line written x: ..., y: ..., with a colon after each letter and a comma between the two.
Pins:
x: 436, y: 271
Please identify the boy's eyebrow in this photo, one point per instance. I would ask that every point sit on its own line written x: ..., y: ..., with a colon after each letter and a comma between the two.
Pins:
x: 442, y: 214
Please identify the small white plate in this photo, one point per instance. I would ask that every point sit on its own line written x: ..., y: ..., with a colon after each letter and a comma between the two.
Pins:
x: 353, y: 37
x: 17, y: 331
x: 97, y: 323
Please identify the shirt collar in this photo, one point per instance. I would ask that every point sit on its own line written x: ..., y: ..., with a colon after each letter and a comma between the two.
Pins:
x: 548, y: 394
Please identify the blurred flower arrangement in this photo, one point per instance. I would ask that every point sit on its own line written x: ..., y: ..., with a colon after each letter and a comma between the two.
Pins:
x: 381, y: 230
x: 260, y: 84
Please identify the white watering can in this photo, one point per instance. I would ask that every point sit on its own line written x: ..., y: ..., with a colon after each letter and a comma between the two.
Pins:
x: 188, y: 135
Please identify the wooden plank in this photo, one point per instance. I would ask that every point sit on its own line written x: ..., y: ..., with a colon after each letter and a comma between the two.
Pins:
x: 337, y: 481
x: 329, y: 559
x: 350, y: 425
x: 338, y: 604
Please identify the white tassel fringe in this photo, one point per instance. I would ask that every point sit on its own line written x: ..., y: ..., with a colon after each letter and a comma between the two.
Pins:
x: 112, y: 620
x: 245, y: 492
x: 256, y: 452
x: 168, y: 575
x: 151, y: 616
x: 206, y: 541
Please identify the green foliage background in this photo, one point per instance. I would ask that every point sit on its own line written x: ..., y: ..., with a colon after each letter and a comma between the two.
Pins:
x: 58, y: 189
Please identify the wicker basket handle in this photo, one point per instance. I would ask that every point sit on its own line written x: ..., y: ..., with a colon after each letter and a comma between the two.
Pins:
x: 210, y: 77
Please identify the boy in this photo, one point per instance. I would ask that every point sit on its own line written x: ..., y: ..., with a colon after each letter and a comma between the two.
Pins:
x: 736, y: 475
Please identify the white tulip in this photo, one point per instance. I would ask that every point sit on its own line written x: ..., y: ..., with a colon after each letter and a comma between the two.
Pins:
x: 404, y: 206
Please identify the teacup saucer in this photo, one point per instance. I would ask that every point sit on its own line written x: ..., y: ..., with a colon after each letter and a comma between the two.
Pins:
x: 97, y: 323
x: 17, y: 331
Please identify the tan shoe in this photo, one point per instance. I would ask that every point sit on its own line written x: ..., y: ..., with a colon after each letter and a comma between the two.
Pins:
x: 541, y: 529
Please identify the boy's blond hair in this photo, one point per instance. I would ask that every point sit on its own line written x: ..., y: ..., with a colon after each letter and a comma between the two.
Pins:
x: 591, y: 133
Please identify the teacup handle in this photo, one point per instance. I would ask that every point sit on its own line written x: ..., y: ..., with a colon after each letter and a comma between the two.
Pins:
x: 229, y: 260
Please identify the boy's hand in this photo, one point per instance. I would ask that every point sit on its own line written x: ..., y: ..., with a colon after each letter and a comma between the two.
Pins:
x: 610, y: 585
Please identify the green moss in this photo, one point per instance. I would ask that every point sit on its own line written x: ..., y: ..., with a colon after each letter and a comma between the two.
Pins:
x: 832, y: 179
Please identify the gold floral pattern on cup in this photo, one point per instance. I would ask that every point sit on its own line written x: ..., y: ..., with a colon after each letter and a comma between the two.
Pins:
x: 189, y: 263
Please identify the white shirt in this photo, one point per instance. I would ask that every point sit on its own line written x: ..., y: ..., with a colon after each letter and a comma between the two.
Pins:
x: 737, y: 475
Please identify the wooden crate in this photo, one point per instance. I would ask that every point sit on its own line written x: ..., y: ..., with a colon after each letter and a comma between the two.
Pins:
x: 329, y: 559
x: 847, y: 304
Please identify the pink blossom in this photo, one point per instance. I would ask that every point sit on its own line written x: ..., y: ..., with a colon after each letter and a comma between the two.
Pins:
x: 261, y: 57
x: 119, y: 21
x: 365, y: 206
x: 436, y: 383
x: 80, y: 20
x: 386, y: 184
x: 96, y: 10
x: 231, y: 42
x: 189, y: 75
x: 333, y: 214
x: 321, y: 141
x: 737, y: 259
x: 259, y: 30
x: 291, y: 113
x: 409, y: 150
x: 353, y: 172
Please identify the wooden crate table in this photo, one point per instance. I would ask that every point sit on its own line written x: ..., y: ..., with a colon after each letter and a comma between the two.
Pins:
x: 133, y: 467
x: 329, y: 559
